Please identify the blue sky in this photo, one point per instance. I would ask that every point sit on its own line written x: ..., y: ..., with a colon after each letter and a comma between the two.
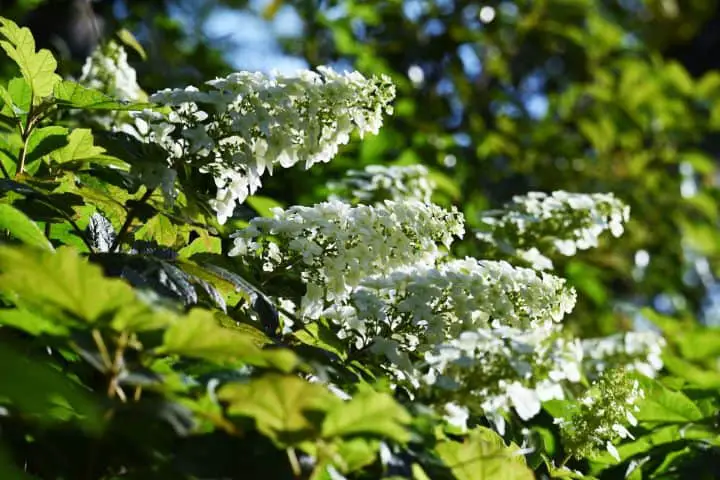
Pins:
x: 255, y: 39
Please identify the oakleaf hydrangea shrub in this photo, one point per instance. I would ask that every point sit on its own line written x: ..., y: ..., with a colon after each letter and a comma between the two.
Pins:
x: 322, y: 327
x: 481, y: 337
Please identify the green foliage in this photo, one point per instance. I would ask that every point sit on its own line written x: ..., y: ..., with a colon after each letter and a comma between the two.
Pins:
x: 483, y: 456
x: 19, y: 226
x: 126, y: 331
x: 37, y: 68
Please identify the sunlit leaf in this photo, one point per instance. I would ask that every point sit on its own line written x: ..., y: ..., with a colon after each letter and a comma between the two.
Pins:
x: 368, y: 413
x: 61, y: 283
x: 38, y: 68
x: 279, y: 404
x: 69, y: 94
x: 199, y: 335
x: 45, y: 140
x: 127, y: 38
x: 483, y: 456
x: 663, y: 405
x: 18, y: 225
x: 80, y: 146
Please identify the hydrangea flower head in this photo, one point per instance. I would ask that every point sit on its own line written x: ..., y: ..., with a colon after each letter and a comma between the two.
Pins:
x: 239, y: 127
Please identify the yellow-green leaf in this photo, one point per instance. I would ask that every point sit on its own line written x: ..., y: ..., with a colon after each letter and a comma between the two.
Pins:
x: 126, y: 37
x: 38, y: 68
x: 30, y: 322
x: 80, y: 146
x: 61, y: 284
x: 262, y: 205
x: 281, y: 405
x: 18, y: 225
x: 199, y: 335
x: 159, y: 229
x: 483, y: 456
x: 368, y: 413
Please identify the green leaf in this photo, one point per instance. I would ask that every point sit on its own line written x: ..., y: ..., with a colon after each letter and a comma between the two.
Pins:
x: 128, y: 39
x: 69, y: 94
x: 564, y: 472
x: 159, y: 229
x: 368, y: 413
x: 61, y: 284
x: 704, y: 343
x: 43, y: 141
x: 319, y: 335
x: 445, y: 184
x: 655, y: 439
x: 199, y: 335
x: 262, y: 205
x: 205, y: 243
x: 80, y: 146
x: 281, y: 405
x: 357, y: 453
x: 21, y: 95
x: 663, y: 405
x: 7, y: 102
x: 31, y: 323
x: 38, y: 68
x: 702, y: 377
x: 18, y: 225
x: 41, y: 391
x: 483, y: 456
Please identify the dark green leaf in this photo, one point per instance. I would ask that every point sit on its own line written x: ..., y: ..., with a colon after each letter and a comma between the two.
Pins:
x: 44, y: 141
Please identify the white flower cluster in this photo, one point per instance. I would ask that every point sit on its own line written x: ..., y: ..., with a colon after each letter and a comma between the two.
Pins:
x: 562, y: 222
x: 427, y: 305
x: 635, y: 351
x: 334, y: 246
x: 478, y: 333
x: 107, y: 70
x: 376, y: 183
x: 491, y: 370
x: 598, y: 419
x: 237, y: 128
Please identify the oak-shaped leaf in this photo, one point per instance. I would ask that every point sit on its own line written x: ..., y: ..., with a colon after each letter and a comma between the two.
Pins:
x: 80, y: 146
x: 483, y: 455
x: 70, y: 290
x: 368, y: 413
x: 38, y: 68
x: 285, y: 408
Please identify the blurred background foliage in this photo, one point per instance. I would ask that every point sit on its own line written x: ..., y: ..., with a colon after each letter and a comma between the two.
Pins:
x: 497, y: 98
